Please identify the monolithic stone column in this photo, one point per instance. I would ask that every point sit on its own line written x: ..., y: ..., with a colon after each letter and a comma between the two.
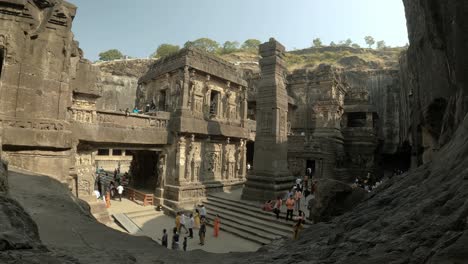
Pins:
x: 270, y: 176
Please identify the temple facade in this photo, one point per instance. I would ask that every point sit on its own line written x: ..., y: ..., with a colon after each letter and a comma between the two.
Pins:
x: 206, y: 97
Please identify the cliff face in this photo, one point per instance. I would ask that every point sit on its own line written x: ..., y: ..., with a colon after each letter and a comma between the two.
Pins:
x: 119, y: 81
x: 433, y: 72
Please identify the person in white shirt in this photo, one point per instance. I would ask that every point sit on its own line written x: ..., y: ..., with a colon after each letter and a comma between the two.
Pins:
x: 190, y: 223
x: 202, y: 211
x: 183, y: 222
x: 120, y: 189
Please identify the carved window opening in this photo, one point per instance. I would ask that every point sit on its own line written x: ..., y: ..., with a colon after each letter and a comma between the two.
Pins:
x: 116, y: 152
x: 357, y: 119
x: 162, y: 100
x: 103, y: 152
x: 214, y: 102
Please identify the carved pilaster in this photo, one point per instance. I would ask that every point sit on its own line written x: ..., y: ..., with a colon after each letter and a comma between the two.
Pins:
x: 180, y: 160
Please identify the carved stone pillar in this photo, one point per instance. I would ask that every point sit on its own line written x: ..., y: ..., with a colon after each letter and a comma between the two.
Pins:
x: 244, y: 105
x: 180, y: 160
x: 183, y: 108
x: 162, y: 168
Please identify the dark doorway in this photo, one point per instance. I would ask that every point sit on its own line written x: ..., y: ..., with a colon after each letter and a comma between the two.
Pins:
x: 214, y: 99
x: 250, y: 152
x: 162, y: 100
x: 357, y: 119
x: 143, y: 170
x: 310, y: 164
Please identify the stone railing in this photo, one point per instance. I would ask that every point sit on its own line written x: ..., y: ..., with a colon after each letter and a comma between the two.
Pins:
x: 158, y: 120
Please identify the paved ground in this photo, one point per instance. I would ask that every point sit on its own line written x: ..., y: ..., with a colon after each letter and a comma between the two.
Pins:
x: 152, y: 226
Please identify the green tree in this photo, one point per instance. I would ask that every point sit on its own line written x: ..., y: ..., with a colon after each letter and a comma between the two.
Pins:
x: 165, y: 50
x: 348, y: 42
x: 205, y: 44
x: 355, y: 45
x: 333, y: 44
x: 251, y: 45
x: 381, y: 45
x: 317, y: 42
x: 230, y: 47
x: 369, y: 41
x: 112, y: 54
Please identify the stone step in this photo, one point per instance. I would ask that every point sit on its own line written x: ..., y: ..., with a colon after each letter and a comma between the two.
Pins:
x: 248, y: 235
x: 242, y: 219
x: 248, y: 209
x: 142, y: 212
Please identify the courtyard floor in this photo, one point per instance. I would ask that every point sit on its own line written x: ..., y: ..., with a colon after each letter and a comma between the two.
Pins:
x: 153, y: 225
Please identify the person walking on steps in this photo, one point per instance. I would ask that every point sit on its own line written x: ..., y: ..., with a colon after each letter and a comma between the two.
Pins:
x: 298, y: 197
x: 289, y: 208
x: 216, y: 226
x: 277, y: 207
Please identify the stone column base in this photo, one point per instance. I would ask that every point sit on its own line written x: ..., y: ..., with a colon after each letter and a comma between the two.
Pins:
x: 263, y: 188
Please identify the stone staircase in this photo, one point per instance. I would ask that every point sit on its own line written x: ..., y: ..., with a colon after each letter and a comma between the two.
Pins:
x: 99, y: 211
x: 247, y: 220
x: 146, y: 213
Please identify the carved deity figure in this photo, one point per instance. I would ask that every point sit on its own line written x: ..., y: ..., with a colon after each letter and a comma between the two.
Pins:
x: 161, y: 171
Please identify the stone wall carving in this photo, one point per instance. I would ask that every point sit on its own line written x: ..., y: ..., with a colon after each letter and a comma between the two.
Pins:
x: 85, y: 169
x: 161, y: 171
x: 45, y: 125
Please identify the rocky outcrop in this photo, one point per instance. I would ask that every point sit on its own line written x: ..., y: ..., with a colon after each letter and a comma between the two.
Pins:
x: 333, y: 198
x: 119, y: 81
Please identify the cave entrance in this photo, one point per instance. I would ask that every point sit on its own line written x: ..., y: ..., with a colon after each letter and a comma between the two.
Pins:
x: 310, y: 168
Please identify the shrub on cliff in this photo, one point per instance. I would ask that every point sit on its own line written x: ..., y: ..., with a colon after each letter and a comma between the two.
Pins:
x: 112, y: 54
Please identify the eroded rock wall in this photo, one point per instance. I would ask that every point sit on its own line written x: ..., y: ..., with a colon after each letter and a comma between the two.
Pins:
x: 119, y: 81
x: 434, y: 78
x: 42, y: 67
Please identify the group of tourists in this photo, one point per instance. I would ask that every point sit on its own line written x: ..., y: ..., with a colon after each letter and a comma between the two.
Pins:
x: 187, y: 222
x: 112, y: 189
x: 292, y: 200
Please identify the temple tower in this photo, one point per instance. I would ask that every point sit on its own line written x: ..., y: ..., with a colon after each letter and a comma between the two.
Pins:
x: 270, y: 176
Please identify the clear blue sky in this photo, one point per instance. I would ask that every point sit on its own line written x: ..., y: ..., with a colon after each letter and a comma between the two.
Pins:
x: 137, y: 27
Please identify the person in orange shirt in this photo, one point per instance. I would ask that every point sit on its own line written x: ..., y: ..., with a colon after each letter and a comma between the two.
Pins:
x: 290, y: 208
x: 216, y: 224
